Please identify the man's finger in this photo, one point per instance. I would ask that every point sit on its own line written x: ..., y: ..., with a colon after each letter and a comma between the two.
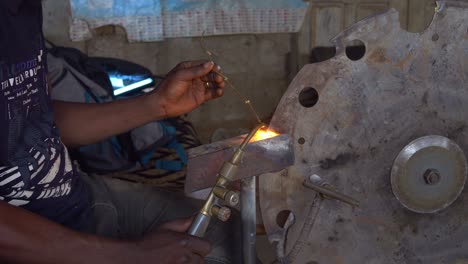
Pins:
x: 213, y: 93
x: 179, y: 225
x: 197, y: 245
x: 212, y: 85
x: 196, y: 259
x: 213, y: 77
x: 185, y: 257
x: 189, y: 64
x: 194, y: 72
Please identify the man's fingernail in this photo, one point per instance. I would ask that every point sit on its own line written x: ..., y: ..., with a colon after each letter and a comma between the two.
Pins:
x: 208, y: 64
x: 219, y: 68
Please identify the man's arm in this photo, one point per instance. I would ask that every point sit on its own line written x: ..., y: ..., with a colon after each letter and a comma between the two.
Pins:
x: 187, y: 86
x: 28, y: 238
x: 83, y: 124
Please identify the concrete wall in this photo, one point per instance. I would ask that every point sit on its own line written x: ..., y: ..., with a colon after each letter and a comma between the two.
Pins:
x: 255, y: 64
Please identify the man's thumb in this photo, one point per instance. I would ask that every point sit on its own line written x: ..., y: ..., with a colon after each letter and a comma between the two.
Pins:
x: 179, y: 225
x: 194, y: 72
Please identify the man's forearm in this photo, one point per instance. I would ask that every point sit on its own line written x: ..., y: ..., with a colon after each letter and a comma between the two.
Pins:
x: 83, y: 124
x: 28, y: 238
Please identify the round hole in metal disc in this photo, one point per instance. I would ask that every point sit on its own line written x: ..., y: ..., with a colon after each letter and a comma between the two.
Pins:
x: 282, y: 217
x: 308, y: 97
x: 355, y: 50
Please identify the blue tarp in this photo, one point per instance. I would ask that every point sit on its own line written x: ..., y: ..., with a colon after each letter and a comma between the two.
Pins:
x: 115, y: 8
x: 149, y: 20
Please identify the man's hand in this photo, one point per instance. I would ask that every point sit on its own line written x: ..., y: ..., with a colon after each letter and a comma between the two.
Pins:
x: 187, y: 86
x: 22, y: 236
x: 170, y: 244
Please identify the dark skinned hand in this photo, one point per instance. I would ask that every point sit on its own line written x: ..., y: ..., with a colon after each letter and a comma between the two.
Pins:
x: 172, y: 245
x: 187, y: 86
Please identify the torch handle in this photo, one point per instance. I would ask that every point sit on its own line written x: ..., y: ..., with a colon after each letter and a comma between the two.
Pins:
x: 199, y: 225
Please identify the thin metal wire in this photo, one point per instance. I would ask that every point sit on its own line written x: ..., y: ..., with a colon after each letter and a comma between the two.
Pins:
x: 245, y: 100
x: 203, y: 46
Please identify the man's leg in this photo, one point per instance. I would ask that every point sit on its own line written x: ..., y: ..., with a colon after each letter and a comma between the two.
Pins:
x: 130, y: 210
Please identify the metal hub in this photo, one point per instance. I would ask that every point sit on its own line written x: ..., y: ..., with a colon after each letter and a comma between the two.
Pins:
x: 429, y: 174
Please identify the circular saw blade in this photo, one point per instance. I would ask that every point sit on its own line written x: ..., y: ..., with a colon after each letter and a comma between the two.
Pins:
x: 349, y: 131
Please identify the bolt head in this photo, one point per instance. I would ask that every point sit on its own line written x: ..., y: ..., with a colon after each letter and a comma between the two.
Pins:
x: 432, y: 176
x: 232, y: 198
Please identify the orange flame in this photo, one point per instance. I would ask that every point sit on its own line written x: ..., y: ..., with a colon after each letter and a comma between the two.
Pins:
x: 264, y: 134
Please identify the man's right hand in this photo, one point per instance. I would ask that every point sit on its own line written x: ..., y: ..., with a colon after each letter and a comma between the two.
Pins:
x: 171, y: 244
x: 23, y: 236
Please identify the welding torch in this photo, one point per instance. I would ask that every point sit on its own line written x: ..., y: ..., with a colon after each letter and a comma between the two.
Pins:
x: 221, y: 192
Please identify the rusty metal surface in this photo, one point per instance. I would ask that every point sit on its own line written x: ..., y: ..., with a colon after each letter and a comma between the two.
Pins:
x: 406, y: 86
x: 263, y: 156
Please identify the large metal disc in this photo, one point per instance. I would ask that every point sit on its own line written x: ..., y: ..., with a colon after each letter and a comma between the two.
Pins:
x: 429, y: 174
x: 349, y: 120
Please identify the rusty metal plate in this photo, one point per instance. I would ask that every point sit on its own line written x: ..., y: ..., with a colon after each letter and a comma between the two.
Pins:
x: 406, y: 86
x: 269, y: 155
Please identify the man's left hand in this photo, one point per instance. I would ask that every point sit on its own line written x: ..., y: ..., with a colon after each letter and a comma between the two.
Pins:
x: 186, y: 87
